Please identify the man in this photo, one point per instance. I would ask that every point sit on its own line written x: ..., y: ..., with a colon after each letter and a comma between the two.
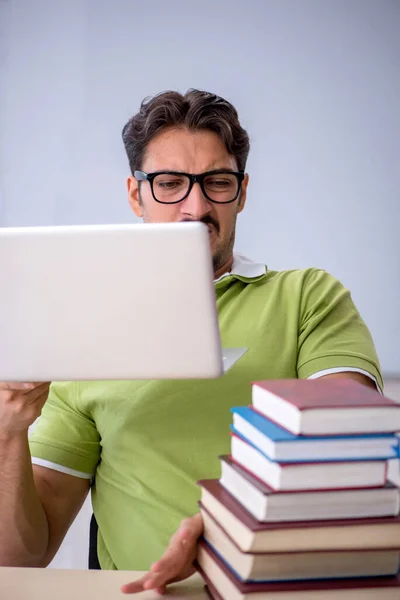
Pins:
x: 142, y: 444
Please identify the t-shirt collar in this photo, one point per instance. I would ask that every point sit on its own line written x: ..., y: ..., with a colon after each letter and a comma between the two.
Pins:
x: 244, y: 269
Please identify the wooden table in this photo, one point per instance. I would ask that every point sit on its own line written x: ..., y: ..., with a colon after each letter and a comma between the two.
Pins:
x: 64, y: 584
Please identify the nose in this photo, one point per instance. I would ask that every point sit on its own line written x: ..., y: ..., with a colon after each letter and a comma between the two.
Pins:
x: 196, y: 204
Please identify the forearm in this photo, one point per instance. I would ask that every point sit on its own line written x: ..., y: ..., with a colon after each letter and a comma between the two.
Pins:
x: 24, y: 531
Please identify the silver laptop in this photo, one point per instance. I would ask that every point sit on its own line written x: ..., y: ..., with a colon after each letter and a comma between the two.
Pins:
x: 109, y: 302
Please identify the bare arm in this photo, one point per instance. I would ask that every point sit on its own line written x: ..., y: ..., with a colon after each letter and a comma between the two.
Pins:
x: 37, y: 505
x: 62, y: 497
x: 23, y: 523
x: 360, y: 377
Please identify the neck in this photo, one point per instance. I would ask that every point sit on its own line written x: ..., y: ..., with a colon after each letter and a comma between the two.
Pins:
x: 225, y: 268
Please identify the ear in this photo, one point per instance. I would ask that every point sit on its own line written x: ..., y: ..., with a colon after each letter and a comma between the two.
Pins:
x: 133, y: 196
x: 243, y: 194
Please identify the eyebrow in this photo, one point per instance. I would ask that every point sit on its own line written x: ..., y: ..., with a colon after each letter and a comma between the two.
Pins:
x: 210, y: 170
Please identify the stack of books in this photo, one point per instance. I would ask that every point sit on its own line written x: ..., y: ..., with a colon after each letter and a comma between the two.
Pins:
x: 303, y: 508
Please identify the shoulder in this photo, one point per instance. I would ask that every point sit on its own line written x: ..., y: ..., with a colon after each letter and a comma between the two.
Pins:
x: 290, y: 286
x: 301, y: 278
x: 305, y: 290
x: 251, y: 271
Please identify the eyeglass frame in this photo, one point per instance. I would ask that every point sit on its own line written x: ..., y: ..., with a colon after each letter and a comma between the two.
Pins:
x: 197, y: 178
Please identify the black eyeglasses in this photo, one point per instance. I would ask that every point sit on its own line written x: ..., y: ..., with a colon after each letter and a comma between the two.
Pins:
x: 171, y: 187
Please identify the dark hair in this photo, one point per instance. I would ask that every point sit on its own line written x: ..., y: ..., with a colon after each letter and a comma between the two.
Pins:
x: 195, y: 110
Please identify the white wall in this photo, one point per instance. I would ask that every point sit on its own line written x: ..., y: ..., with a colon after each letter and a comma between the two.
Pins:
x: 316, y: 83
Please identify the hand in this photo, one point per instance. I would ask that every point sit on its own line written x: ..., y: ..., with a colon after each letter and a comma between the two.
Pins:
x: 20, y: 405
x: 177, y: 561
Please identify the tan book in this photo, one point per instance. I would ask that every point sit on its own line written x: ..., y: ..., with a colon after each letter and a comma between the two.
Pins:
x: 223, y: 585
x: 295, y: 536
x: 291, y: 566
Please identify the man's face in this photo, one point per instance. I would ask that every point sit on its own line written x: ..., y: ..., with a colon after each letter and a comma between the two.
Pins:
x: 190, y: 152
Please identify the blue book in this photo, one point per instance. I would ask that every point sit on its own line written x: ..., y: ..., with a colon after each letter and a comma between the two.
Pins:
x: 279, y: 445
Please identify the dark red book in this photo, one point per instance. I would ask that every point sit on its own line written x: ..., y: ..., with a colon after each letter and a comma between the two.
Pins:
x: 294, y: 566
x: 251, y: 535
x: 325, y: 407
x: 210, y: 589
x: 266, y: 504
x: 224, y: 585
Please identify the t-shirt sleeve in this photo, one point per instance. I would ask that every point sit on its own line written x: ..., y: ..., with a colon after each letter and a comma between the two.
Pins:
x: 64, y: 435
x: 332, y: 334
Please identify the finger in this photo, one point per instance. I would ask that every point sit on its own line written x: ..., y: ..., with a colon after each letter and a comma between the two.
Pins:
x: 161, y: 590
x: 33, y: 396
x: 36, y: 389
x: 182, y: 543
x: 159, y: 583
x: 172, y: 561
x: 41, y: 400
x: 175, y: 565
x: 13, y: 386
x: 135, y: 586
x: 25, y: 389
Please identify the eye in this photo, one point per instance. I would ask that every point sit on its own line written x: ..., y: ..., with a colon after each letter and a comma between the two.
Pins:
x: 169, y: 185
x: 168, y: 182
x: 219, y: 183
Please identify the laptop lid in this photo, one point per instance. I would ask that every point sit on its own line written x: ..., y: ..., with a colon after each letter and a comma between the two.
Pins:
x: 108, y: 302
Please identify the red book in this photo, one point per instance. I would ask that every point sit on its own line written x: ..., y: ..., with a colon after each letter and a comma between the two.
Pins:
x: 291, y: 476
x: 221, y: 580
x: 325, y: 407
x: 251, y: 535
x: 210, y: 589
x: 266, y: 504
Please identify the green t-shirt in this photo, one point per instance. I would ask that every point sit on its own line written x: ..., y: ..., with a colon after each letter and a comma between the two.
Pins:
x: 146, y: 443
